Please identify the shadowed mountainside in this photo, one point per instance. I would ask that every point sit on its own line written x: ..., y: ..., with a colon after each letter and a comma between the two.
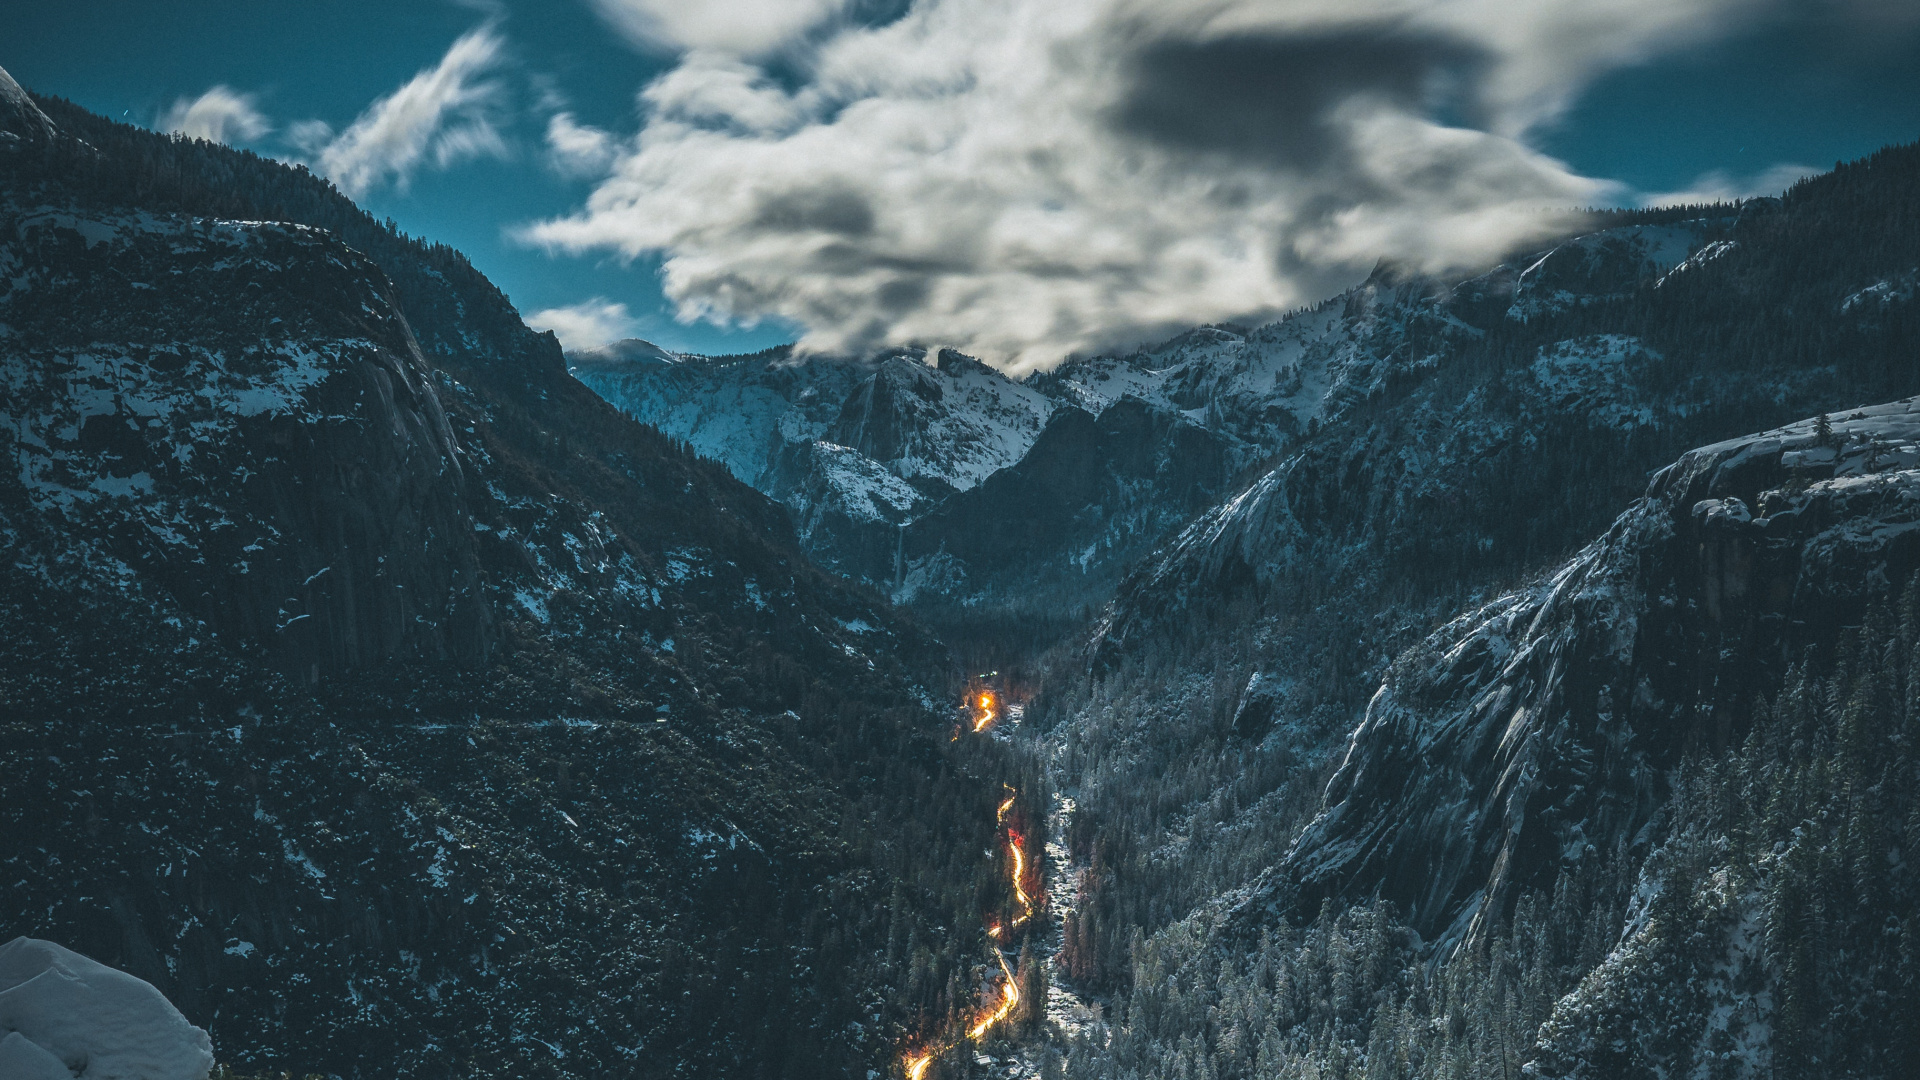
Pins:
x: 396, y: 705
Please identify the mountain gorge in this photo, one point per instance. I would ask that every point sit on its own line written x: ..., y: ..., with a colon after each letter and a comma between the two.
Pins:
x: 1500, y: 673
x: 889, y: 465
x: 1379, y: 760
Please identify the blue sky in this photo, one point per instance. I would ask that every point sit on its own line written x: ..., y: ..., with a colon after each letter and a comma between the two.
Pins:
x: 1752, y: 87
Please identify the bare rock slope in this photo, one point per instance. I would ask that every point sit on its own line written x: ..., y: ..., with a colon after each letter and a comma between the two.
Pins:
x: 1541, y: 728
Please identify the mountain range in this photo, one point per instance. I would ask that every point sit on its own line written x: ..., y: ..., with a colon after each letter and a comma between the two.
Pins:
x: 947, y: 483
x: 1498, y: 673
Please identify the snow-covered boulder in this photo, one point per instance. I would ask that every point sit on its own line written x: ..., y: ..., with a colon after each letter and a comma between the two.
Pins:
x: 65, y: 1017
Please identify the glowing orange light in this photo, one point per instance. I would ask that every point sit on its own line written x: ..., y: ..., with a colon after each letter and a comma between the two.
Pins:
x: 987, y: 715
x: 1009, y: 997
x: 1019, y: 876
x: 916, y: 1063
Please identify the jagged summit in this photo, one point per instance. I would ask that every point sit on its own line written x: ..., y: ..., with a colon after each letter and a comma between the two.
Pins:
x: 21, y: 121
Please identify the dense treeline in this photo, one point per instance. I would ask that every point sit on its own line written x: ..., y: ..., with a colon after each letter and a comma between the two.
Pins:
x: 1775, y: 932
x: 1351, y: 995
x: 1782, y: 936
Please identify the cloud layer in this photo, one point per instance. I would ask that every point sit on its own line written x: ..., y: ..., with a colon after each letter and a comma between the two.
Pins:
x: 220, y: 115
x: 445, y: 114
x: 747, y: 27
x: 585, y: 325
x: 1026, y: 180
x: 577, y: 149
x: 1722, y: 186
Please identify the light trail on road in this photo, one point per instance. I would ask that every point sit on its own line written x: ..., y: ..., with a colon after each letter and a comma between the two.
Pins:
x: 916, y: 1062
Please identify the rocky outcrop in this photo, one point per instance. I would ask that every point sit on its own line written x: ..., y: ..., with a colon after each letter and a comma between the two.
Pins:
x: 1540, y: 729
x: 22, y: 124
x: 1602, y: 266
x: 886, y: 415
x: 238, y: 410
x: 848, y: 509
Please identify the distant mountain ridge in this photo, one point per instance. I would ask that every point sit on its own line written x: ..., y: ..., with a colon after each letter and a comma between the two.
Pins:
x: 830, y: 436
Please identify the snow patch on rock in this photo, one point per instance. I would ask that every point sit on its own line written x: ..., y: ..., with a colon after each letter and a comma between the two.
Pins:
x: 1594, y: 375
x: 1883, y: 294
x: 67, y: 1017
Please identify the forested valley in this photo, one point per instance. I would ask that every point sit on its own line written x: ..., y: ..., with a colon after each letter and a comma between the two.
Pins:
x: 1723, y: 888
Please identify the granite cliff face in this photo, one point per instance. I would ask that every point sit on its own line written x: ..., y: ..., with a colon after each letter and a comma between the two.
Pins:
x: 237, y: 412
x: 1544, y: 727
x: 22, y: 124
x: 1091, y: 494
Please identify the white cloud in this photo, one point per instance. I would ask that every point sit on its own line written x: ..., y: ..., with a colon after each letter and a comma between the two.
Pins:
x: 578, y: 149
x: 585, y: 325
x: 748, y: 27
x: 445, y: 114
x: 311, y: 136
x: 715, y: 89
x: 1025, y: 179
x: 220, y: 115
x: 1722, y: 186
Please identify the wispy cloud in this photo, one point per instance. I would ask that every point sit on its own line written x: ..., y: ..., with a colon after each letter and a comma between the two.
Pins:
x: 1026, y: 180
x: 445, y: 114
x: 578, y: 149
x: 1722, y: 186
x: 750, y: 27
x: 586, y: 325
x: 221, y: 115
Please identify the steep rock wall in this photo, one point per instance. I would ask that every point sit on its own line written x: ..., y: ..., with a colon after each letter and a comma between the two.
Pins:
x: 239, y: 410
x: 1538, y: 730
